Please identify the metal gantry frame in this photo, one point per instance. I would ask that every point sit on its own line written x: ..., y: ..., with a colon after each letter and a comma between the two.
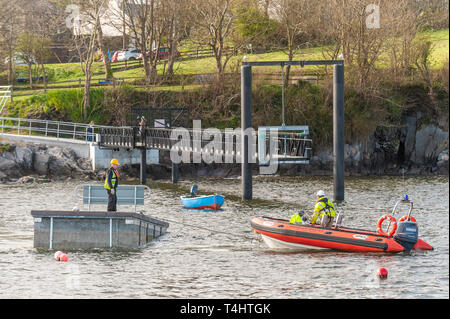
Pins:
x: 338, y: 119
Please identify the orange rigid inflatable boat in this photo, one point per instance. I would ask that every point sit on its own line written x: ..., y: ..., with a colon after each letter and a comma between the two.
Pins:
x: 280, y: 233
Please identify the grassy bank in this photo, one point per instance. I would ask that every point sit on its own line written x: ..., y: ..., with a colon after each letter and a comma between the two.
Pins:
x: 72, y: 71
x: 219, y: 105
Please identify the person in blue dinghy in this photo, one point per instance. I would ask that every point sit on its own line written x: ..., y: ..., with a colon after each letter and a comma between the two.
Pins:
x: 194, y: 191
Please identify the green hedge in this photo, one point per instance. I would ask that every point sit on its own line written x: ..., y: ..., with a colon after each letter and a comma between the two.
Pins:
x: 305, y: 104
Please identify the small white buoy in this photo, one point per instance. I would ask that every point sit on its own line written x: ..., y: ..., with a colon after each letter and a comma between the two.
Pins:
x: 75, y: 209
x: 58, y: 255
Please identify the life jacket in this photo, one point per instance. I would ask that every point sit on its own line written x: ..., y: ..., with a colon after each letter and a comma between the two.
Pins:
x: 114, y: 178
x: 296, y: 218
x: 327, y: 206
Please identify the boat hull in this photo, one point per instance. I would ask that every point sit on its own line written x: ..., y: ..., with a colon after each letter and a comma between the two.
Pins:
x: 281, y: 244
x: 213, y: 202
x: 278, y: 233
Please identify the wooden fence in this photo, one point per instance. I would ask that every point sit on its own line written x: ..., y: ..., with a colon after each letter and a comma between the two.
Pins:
x: 164, y: 80
x: 177, y: 80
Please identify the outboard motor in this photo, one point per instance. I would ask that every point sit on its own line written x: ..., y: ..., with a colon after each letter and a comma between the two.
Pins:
x: 194, y: 190
x: 407, y: 234
x: 339, y: 219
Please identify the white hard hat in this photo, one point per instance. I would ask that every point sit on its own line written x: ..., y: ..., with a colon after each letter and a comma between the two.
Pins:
x: 320, y: 193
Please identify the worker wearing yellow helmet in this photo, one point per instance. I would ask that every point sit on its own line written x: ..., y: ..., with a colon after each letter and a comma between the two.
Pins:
x: 111, y: 183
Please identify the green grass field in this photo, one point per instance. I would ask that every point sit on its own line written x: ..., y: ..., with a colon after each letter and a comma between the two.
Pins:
x: 72, y: 71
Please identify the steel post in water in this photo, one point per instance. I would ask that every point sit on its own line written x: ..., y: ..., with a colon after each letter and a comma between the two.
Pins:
x: 174, y: 173
x: 246, y: 122
x: 143, y: 166
x: 338, y: 131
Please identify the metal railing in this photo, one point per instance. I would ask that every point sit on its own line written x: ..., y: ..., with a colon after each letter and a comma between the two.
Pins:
x: 5, y: 94
x: 291, y: 147
x: 133, y: 195
x: 47, y: 128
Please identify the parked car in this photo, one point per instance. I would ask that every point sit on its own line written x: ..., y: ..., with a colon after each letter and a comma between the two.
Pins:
x: 115, y: 56
x: 163, y: 53
x: 128, y: 55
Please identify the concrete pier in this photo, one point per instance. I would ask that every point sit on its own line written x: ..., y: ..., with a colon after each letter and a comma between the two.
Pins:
x: 88, y: 230
x: 99, y: 157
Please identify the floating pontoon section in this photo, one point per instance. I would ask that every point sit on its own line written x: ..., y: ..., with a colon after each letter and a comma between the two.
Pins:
x: 96, y: 229
x: 88, y: 230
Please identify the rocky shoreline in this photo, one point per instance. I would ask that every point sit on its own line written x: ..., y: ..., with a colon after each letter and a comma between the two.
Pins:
x: 24, y: 163
x: 27, y: 163
x: 418, y: 146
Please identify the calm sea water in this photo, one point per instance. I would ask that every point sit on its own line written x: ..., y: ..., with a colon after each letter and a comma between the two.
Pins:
x: 217, y: 255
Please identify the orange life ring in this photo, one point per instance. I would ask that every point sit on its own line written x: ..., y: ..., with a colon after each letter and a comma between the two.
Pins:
x: 411, y: 218
x: 380, y: 222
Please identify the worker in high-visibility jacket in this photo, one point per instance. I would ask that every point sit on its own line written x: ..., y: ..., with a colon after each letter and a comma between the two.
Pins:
x: 297, y: 218
x: 323, y: 206
x: 111, y: 183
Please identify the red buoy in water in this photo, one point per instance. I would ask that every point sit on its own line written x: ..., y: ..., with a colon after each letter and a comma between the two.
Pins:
x: 64, y: 257
x: 382, y: 273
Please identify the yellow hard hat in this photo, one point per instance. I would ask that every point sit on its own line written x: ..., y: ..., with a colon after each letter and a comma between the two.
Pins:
x: 114, y: 161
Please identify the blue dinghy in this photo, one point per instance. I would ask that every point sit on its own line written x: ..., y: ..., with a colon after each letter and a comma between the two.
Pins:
x: 194, y: 201
x: 202, y: 202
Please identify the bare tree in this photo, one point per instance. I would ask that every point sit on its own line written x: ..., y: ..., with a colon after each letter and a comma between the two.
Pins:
x: 213, y: 26
x: 401, y: 22
x: 48, y: 17
x: 41, y: 53
x: 85, y: 39
x: 40, y: 20
x: 143, y: 21
x: 174, y: 22
x: 423, y: 48
x: 444, y: 76
x: 360, y: 43
x: 266, y: 7
x: 10, y: 28
x: 90, y: 10
x: 293, y: 16
x: 26, y: 45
